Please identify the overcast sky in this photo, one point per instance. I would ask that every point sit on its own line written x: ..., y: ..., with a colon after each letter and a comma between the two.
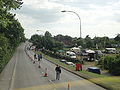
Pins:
x: 98, y: 17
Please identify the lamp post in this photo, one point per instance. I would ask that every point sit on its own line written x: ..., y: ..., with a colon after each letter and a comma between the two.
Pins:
x: 40, y: 31
x: 79, y: 19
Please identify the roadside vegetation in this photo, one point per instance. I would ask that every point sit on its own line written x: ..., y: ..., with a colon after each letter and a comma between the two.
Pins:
x: 111, y: 63
x: 11, y: 31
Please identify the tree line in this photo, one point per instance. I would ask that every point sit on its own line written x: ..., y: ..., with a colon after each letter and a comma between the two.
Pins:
x: 88, y: 42
x: 11, y: 31
x: 46, y: 42
x: 59, y: 41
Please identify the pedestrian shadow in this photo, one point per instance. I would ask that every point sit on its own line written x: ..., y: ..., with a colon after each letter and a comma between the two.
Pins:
x: 53, y: 80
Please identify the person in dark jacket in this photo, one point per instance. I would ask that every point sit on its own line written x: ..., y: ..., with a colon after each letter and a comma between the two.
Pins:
x: 58, y: 72
x: 35, y: 56
x: 39, y: 59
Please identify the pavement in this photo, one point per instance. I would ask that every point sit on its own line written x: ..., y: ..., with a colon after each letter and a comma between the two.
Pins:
x: 22, y: 74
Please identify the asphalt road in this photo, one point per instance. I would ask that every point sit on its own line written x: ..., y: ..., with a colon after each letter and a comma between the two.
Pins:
x: 21, y: 74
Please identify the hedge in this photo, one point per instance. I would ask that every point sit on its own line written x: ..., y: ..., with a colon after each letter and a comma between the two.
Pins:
x: 111, y: 63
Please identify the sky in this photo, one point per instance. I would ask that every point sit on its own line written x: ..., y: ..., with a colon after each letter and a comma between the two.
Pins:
x: 98, y: 17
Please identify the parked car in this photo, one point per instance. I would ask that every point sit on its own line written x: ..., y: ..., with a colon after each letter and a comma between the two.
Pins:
x: 63, y: 60
x: 98, y: 52
x: 94, y: 70
x: 70, y: 63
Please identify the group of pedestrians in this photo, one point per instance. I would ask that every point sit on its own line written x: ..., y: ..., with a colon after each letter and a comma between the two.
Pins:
x: 57, y: 68
x: 39, y: 57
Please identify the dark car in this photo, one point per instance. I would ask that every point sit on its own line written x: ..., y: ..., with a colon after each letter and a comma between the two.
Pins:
x: 94, y: 70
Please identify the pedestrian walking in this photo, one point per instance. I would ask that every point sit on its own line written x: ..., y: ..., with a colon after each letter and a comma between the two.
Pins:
x: 58, y: 72
x: 39, y: 58
x: 35, y: 56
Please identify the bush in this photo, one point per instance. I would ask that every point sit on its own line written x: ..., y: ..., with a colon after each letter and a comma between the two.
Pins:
x: 111, y: 63
x: 4, y: 52
x: 114, y: 67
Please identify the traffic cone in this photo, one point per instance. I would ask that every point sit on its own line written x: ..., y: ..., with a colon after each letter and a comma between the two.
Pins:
x: 45, y: 75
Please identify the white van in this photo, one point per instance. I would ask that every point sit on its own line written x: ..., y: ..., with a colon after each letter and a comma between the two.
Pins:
x: 110, y: 50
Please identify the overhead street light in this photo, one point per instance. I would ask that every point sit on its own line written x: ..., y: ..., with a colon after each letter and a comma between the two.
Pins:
x: 79, y: 20
x: 40, y: 31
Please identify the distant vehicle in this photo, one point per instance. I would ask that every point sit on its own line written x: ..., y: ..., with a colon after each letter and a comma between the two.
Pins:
x: 94, y: 70
x: 32, y: 47
x: 110, y: 50
x: 98, y: 52
x: 75, y: 49
x: 64, y: 61
x: 70, y: 63
x: 91, y: 55
x: 71, y: 54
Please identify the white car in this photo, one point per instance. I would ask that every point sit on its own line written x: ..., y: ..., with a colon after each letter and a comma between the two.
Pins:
x: 70, y: 63
x: 64, y: 61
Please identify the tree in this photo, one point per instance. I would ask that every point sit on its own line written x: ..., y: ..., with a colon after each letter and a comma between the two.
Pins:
x: 48, y: 35
x: 66, y: 40
x: 10, y: 4
x: 5, y: 6
x: 78, y: 42
x: 46, y: 41
x: 9, y: 26
x: 57, y: 46
x: 117, y: 38
x: 11, y: 31
x: 88, y: 42
x: 34, y: 39
x: 4, y: 51
x: 103, y: 42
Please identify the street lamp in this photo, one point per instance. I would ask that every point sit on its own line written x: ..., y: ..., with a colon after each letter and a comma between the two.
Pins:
x: 40, y: 31
x: 79, y: 19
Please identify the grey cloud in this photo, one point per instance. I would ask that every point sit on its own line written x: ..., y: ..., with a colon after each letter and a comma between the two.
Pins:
x: 44, y: 15
x: 84, y: 4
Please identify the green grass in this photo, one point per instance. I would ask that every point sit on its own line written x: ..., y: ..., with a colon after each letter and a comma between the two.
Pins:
x: 56, y: 61
x: 109, y: 82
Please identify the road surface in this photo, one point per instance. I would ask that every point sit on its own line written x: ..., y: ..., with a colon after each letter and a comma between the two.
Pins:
x: 22, y: 74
